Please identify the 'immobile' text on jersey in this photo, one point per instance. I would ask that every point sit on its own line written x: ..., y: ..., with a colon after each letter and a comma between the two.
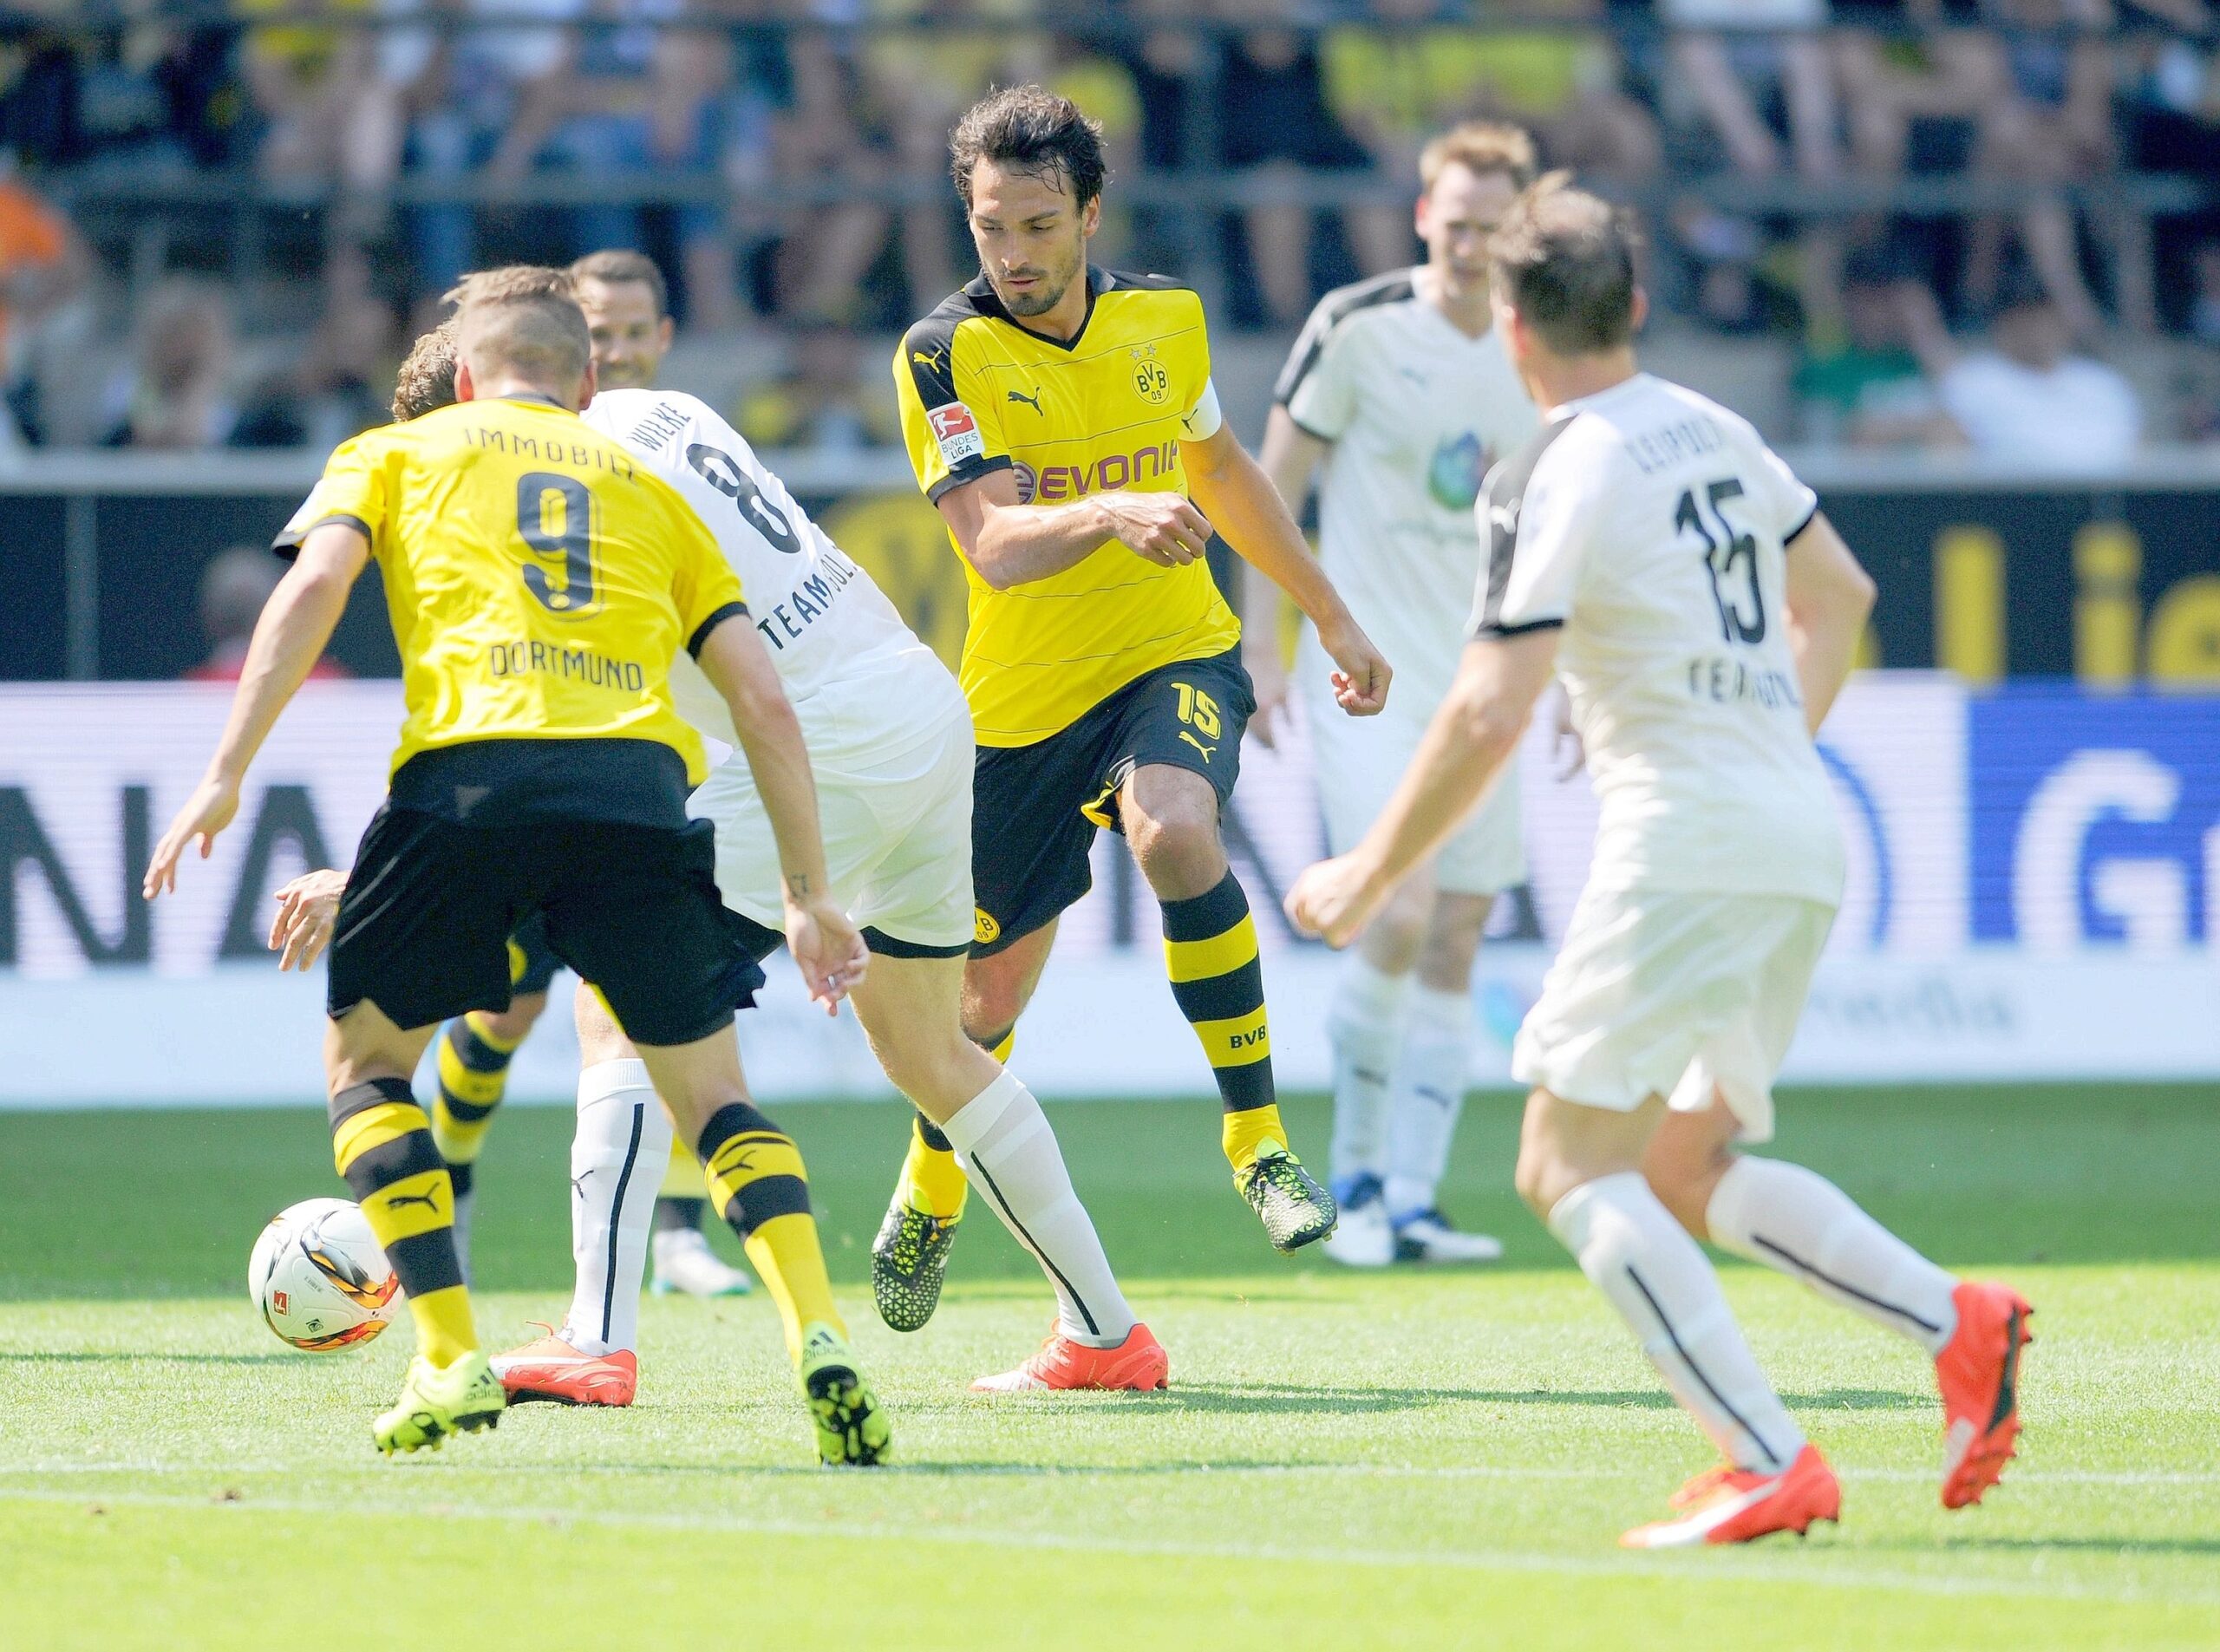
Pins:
x: 1105, y: 412
x: 1416, y: 412
x: 538, y: 577
x: 1651, y: 523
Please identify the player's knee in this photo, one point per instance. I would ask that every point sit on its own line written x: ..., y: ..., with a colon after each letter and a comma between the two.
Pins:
x: 1177, y: 847
x: 1537, y: 1177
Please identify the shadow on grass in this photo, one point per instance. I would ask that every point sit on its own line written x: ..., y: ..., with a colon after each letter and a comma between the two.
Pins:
x: 2081, y: 1545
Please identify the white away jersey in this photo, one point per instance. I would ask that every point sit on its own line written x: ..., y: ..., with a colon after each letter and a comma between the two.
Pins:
x: 1416, y: 412
x: 859, y: 678
x: 1649, y: 523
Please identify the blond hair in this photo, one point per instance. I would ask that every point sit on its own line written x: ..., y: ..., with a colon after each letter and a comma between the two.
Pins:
x: 1481, y: 148
x: 524, y: 320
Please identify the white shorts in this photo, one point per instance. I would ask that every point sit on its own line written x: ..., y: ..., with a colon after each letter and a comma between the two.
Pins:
x: 898, y: 841
x: 1361, y: 760
x: 1671, y: 993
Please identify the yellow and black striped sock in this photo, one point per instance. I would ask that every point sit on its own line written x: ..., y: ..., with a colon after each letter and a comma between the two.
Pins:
x: 382, y: 1144
x: 1209, y: 951
x: 757, y: 1184
x: 679, y: 1202
x: 473, y: 1066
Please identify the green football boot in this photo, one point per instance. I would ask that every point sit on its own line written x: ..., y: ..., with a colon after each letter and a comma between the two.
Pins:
x: 851, y: 1425
x: 436, y: 1401
x: 909, y: 1261
x: 1293, y: 1209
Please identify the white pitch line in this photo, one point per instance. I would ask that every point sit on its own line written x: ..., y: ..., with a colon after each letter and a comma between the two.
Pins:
x: 2018, y: 1478
x: 1754, y: 1569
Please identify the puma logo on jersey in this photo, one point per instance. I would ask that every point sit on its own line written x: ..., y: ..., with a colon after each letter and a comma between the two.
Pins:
x: 1504, y: 517
x: 1198, y: 745
x: 1032, y: 401
x: 430, y: 1201
x: 931, y: 361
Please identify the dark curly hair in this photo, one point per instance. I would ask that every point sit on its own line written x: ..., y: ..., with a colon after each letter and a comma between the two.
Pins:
x: 1030, y: 130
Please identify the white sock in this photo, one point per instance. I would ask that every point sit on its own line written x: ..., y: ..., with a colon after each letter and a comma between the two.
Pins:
x: 1663, y: 1287
x: 1365, y: 1025
x: 1800, y: 1223
x: 1011, y: 1156
x: 1428, y: 1095
x: 617, y: 1158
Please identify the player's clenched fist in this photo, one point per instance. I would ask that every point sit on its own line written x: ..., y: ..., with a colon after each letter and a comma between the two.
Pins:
x: 1162, y: 528
x: 1360, y: 684
x: 1332, y: 900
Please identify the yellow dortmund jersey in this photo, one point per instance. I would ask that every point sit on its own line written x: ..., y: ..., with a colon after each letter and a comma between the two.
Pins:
x: 539, y: 579
x: 1107, y: 411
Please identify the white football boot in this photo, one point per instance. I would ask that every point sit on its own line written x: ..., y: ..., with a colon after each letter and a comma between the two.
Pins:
x: 1364, y: 1239
x: 684, y: 1263
x: 1426, y: 1237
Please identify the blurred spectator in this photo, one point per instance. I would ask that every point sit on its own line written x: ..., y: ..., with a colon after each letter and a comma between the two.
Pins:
x: 828, y: 398
x: 1859, y: 383
x: 306, y: 74
x: 920, y: 82
x: 1274, y: 126
x: 45, y: 279
x: 2025, y: 399
x: 234, y: 587
x: 1765, y: 98
x: 339, y: 387
x: 458, y: 93
x: 2204, y: 294
x: 824, y: 251
x: 1396, y: 87
x: 2049, y: 123
x: 176, y: 394
x: 633, y: 100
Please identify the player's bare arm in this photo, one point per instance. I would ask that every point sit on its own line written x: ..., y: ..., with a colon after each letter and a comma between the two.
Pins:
x: 1829, y: 598
x: 1289, y: 457
x: 295, y: 627
x: 1233, y: 490
x: 827, y: 947
x: 1014, y: 543
x: 1474, y: 733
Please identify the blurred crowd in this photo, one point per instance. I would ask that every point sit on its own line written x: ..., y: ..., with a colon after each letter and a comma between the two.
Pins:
x: 1939, y: 207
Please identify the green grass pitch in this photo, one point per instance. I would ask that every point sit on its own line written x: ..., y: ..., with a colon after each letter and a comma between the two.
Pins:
x: 1420, y: 1460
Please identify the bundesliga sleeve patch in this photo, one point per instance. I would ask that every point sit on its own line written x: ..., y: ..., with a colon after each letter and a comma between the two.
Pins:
x: 957, y: 432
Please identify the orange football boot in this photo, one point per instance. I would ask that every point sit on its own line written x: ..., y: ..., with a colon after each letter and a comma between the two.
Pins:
x: 552, y: 1369
x: 1139, y: 1362
x: 1728, y: 1505
x: 1978, y: 1371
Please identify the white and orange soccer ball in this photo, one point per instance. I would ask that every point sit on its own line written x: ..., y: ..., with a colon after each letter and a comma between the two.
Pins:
x: 319, y: 1278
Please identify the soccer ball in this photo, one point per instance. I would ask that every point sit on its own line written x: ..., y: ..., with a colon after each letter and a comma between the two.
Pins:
x: 319, y: 1277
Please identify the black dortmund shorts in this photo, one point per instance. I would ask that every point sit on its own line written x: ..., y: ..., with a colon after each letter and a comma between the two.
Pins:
x: 1034, y: 809
x: 532, y: 962
x: 423, y: 929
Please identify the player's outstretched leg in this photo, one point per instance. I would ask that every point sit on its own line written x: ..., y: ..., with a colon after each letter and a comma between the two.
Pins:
x: 757, y: 1183
x: 381, y: 1143
x: 1578, y: 1169
x: 621, y: 1144
x: 1170, y: 818
x: 1209, y: 951
x: 684, y: 1261
x: 909, y: 1259
x: 1797, y: 1222
x: 911, y: 1007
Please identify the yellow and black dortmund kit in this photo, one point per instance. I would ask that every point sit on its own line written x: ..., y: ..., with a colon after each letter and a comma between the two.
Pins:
x: 539, y: 583
x: 1117, y: 663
